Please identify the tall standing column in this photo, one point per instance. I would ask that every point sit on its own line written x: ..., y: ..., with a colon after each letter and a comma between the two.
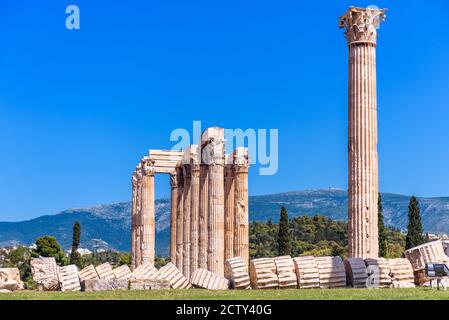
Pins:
x: 148, y: 230
x: 203, y: 219
x: 186, y: 218
x: 229, y: 208
x: 214, y: 140
x: 173, y: 213
x: 133, y: 222
x: 179, y: 219
x: 241, y: 211
x: 194, y: 208
x: 361, y: 35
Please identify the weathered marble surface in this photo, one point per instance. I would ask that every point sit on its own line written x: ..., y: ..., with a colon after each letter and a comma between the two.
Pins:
x: 45, y: 273
x: 236, y: 271
x: 205, y: 279
x: 10, y: 279
x: 68, y: 278
x: 104, y: 284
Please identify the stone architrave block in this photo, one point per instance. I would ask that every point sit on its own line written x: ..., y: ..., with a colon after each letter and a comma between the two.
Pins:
x: 104, y: 285
x: 45, y: 273
x: 145, y: 271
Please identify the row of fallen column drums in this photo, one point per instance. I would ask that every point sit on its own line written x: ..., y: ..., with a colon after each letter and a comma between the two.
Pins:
x: 325, y: 272
x: 263, y: 273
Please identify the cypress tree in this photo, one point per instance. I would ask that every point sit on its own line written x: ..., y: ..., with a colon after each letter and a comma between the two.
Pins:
x: 415, y: 229
x: 284, y: 240
x: 383, y: 246
x: 74, y: 255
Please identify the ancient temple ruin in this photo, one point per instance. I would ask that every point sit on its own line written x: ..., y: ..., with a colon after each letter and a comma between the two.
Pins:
x: 209, y: 205
x: 363, y: 185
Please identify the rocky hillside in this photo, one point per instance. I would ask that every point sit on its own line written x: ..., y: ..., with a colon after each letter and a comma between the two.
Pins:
x: 111, y: 223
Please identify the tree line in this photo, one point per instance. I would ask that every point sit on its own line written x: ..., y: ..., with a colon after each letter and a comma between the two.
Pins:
x: 318, y: 235
x: 303, y: 235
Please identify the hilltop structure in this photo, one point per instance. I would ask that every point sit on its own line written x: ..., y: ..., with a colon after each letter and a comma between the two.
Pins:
x: 209, y: 205
x: 361, y: 35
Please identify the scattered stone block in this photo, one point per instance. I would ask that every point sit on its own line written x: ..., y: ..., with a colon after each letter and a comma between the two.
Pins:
x: 136, y: 284
x: 155, y: 284
x: 262, y: 273
x: 378, y: 272
x: 236, y: 271
x: 123, y: 272
x: 307, y: 272
x: 104, y: 284
x: 5, y: 291
x: 285, y: 270
x: 356, y: 274
x: 45, y: 273
x: 105, y: 271
x: 401, y: 273
x: 426, y: 253
x: 9, y: 285
x: 172, y: 274
x: 332, y: 272
x: 205, y: 279
x: 88, y: 273
x: 69, y: 279
x: 9, y: 276
x: 146, y: 271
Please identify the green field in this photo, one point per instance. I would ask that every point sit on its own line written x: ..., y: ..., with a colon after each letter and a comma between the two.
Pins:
x: 198, y: 294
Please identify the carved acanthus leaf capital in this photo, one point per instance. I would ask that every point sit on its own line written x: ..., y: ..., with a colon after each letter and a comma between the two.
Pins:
x: 361, y: 24
x: 241, y: 157
x: 174, y: 180
x: 148, y: 166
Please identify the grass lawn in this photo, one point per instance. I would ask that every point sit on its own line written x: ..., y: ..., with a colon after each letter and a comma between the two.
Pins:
x: 198, y: 294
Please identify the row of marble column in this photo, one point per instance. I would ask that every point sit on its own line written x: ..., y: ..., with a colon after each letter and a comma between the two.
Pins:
x: 209, y: 207
x: 209, y: 213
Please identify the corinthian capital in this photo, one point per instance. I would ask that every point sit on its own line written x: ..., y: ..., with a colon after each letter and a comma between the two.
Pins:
x: 361, y: 24
x: 241, y: 157
x: 148, y: 166
x: 174, y: 180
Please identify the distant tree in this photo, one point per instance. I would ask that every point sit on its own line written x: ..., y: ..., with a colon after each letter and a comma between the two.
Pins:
x: 74, y: 254
x: 48, y: 246
x: 383, y: 245
x: 20, y: 258
x: 284, y: 237
x: 415, y: 229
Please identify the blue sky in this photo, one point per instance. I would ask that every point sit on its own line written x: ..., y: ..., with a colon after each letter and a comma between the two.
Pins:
x: 78, y: 109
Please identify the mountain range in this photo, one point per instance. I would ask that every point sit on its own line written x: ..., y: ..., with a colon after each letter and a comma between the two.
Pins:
x: 108, y: 226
